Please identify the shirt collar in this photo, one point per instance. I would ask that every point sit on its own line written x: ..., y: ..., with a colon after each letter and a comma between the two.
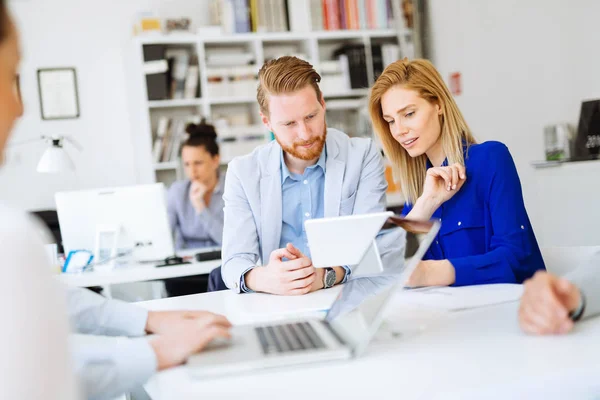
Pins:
x: 285, y: 172
x: 445, y: 163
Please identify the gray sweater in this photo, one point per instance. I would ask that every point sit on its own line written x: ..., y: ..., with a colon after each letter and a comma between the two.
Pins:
x: 193, y: 230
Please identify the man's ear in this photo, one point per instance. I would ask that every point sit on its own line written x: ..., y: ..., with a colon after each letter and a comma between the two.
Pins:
x: 266, y: 122
x: 322, y: 101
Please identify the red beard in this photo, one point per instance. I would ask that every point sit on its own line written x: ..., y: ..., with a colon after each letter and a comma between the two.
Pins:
x: 297, y: 151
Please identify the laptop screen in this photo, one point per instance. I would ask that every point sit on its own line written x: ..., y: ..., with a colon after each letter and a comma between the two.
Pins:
x: 358, y: 311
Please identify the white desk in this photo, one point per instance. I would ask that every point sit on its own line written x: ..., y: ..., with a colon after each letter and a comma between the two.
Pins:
x: 136, y: 273
x: 478, y: 353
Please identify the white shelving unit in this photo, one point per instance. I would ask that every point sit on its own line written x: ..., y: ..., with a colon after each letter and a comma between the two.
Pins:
x: 166, y: 166
x: 315, y: 46
x: 174, y: 103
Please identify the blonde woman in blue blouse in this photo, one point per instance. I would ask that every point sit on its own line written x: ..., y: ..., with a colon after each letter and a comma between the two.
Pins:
x: 473, y: 188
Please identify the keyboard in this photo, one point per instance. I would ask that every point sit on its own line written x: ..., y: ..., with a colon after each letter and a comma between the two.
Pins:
x: 287, y: 338
x: 208, y: 255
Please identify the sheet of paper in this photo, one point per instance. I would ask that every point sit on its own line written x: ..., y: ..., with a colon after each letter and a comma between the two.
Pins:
x: 261, y: 307
x: 458, y: 298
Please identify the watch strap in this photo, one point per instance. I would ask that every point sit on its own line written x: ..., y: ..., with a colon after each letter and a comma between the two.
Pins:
x: 576, y: 314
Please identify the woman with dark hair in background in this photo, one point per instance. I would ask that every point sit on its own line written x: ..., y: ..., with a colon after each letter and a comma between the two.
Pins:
x: 195, y: 204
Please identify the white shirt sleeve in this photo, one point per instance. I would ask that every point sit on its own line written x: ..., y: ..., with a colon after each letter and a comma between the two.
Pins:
x: 35, y: 362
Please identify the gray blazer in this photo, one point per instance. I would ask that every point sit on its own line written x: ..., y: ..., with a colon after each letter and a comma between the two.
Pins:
x: 193, y: 230
x: 354, y: 184
x: 587, y: 278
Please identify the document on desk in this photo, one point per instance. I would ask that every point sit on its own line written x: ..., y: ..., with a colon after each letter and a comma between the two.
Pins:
x: 258, y: 307
x: 459, y: 298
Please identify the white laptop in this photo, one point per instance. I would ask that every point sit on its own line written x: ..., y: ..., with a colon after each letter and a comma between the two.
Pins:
x: 345, y: 332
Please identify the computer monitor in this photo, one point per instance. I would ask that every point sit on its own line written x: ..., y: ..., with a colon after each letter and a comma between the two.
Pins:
x: 138, y: 212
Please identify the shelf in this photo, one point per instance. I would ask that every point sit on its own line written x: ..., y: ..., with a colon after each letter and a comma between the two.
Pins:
x: 349, y: 93
x: 252, y: 99
x: 353, y: 34
x: 270, y: 36
x: 168, y: 38
x: 550, y: 164
x: 165, y: 166
x: 174, y: 103
x: 232, y: 100
x: 243, y: 131
x: 345, y: 104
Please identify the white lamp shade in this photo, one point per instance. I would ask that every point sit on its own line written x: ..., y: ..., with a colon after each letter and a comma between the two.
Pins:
x: 55, y: 159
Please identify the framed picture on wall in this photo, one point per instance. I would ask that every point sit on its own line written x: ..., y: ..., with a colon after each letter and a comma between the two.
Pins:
x: 58, y: 93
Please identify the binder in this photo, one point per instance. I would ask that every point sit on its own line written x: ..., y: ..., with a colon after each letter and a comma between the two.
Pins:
x: 157, y: 84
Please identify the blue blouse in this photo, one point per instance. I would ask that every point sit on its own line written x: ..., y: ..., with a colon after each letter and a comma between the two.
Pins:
x: 486, y: 233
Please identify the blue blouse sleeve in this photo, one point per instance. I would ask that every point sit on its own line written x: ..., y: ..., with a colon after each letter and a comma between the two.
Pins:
x: 511, y: 241
x: 406, y: 209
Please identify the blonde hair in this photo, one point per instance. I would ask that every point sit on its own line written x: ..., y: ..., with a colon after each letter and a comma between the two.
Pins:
x: 285, y: 75
x: 421, y: 76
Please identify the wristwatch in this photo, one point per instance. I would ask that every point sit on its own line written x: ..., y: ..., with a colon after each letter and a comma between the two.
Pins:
x: 576, y: 314
x: 329, y: 278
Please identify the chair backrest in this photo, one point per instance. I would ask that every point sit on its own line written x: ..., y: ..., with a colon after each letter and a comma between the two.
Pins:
x: 215, y: 281
x: 50, y: 219
x: 561, y: 260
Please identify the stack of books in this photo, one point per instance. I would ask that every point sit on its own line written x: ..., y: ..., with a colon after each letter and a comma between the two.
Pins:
x: 230, y: 72
x: 170, y: 134
x: 171, y: 73
x: 244, y: 16
x: 318, y: 15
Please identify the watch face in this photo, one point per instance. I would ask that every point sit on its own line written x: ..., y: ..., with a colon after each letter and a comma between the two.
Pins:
x: 329, y: 278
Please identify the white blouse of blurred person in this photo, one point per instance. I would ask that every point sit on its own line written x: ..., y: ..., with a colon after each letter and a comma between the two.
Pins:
x: 35, y: 363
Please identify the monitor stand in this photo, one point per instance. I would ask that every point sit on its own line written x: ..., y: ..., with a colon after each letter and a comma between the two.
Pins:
x: 107, y: 241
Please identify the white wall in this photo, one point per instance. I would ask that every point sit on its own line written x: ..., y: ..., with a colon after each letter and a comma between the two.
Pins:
x: 95, y: 38
x: 526, y: 64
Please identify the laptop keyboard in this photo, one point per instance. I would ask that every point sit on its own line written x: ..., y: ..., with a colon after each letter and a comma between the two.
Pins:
x: 286, y: 338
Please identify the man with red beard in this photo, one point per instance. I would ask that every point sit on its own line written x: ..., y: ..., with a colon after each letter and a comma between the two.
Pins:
x: 310, y: 171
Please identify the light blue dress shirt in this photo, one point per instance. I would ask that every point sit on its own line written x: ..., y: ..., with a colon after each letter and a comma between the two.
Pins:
x: 109, y: 368
x: 303, y: 198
